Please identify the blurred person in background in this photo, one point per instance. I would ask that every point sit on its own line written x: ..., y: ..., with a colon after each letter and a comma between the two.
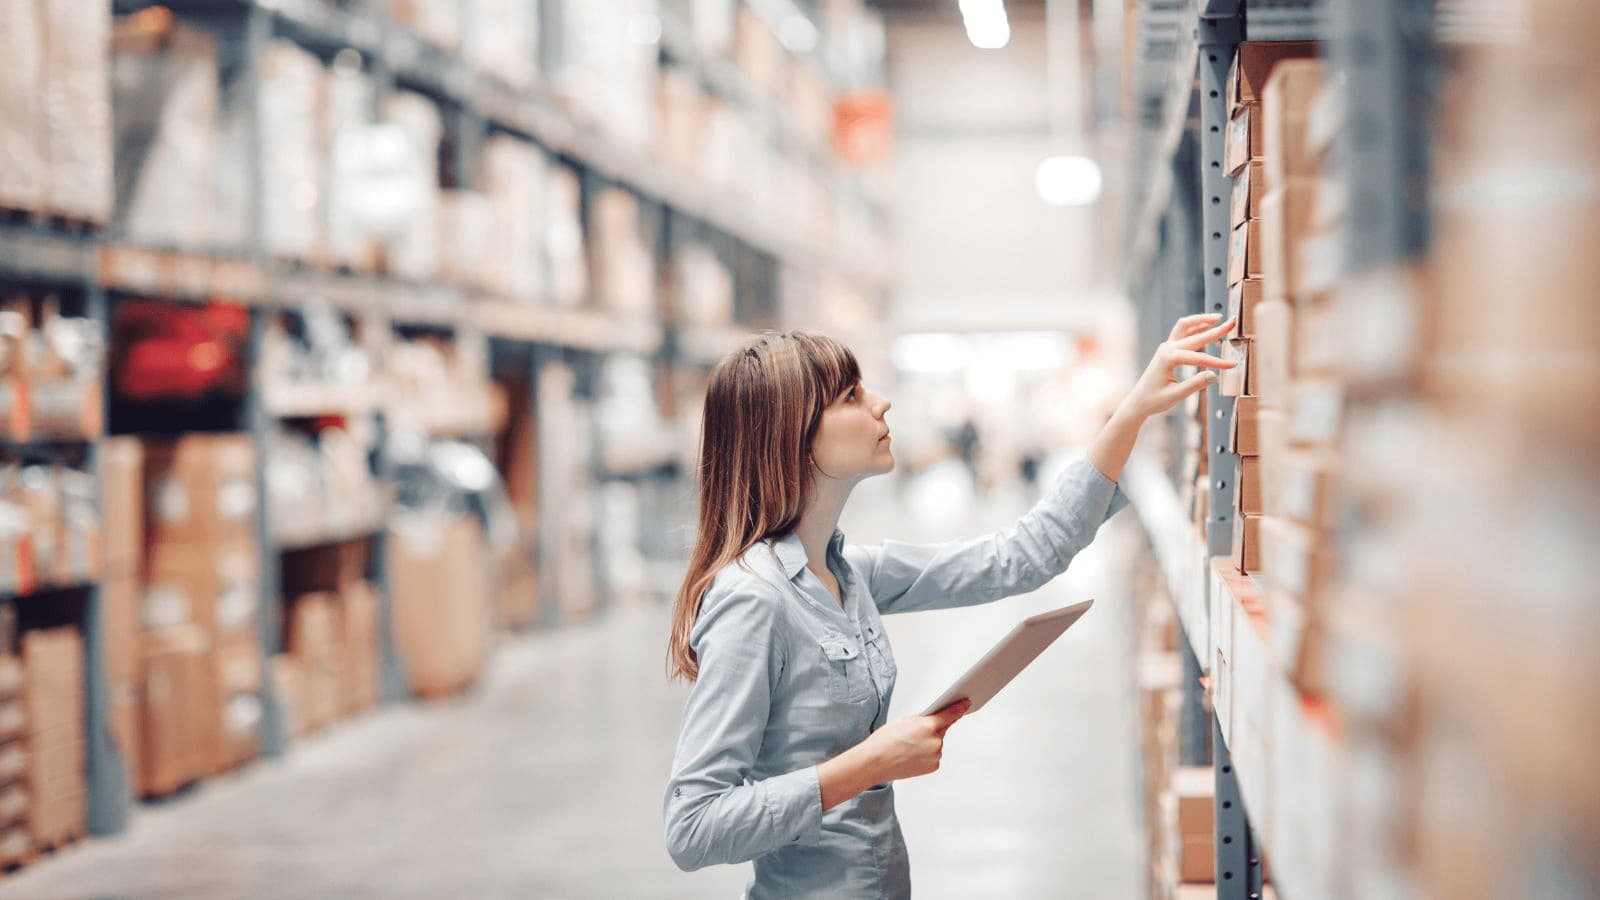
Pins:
x: 785, y: 756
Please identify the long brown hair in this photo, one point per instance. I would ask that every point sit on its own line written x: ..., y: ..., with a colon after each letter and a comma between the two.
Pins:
x: 763, y: 403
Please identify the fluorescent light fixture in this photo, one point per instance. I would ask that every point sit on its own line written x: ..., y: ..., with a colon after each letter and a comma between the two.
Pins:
x: 986, y: 23
x: 1068, y: 180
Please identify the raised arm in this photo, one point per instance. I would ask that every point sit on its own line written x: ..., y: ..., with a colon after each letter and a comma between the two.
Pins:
x: 907, y: 577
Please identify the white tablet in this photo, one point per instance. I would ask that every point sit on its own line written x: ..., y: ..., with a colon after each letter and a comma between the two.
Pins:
x: 1009, y: 657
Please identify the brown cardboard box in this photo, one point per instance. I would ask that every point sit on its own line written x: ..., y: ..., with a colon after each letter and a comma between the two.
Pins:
x: 53, y: 661
x: 1305, y: 489
x: 1249, y: 494
x: 1245, y: 433
x: 1286, y: 104
x: 358, y: 613
x: 1285, y: 228
x: 119, y: 611
x: 200, y: 488
x: 12, y: 676
x: 1197, y: 860
x: 1274, y: 350
x: 1244, y: 252
x: 1248, y: 189
x: 15, y: 804
x: 1196, y: 790
x: 237, y: 667
x: 1242, y: 299
x: 437, y: 569
x: 1247, y: 543
x: 1239, y: 380
x: 177, y: 728
x: 315, y: 642
x: 1247, y: 77
x: 1295, y: 561
x: 1243, y: 144
x: 13, y: 719
x: 122, y: 504
x: 216, y: 585
x: 1316, y: 412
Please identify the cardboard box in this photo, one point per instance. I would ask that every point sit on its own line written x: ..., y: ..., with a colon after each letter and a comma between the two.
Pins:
x: 1305, y: 491
x: 1286, y: 105
x: 315, y: 642
x: 216, y: 585
x: 1197, y: 860
x: 1316, y: 413
x: 119, y: 611
x: 77, y: 108
x: 1245, y: 433
x: 25, y: 173
x: 437, y: 577
x: 177, y: 728
x: 1249, y: 493
x: 1274, y: 351
x: 200, y: 489
x: 1247, y: 543
x: 122, y: 504
x: 54, y: 690
x: 1253, y: 65
x: 1242, y: 299
x: 1244, y: 252
x: 15, y: 804
x: 1249, y: 186
x: 1286, y: 214
x: 13, y: 719
x: 12, y: 676
x: 1243, y: 141
x: 358, y: 613
x: 1195, y: 788
x: 1237, y: 381
x: 1294, y: 560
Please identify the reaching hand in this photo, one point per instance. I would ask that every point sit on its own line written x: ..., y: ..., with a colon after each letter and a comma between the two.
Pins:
x: 1158, y: 389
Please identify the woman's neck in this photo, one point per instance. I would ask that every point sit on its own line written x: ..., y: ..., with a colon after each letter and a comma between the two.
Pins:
x: 819, y: 519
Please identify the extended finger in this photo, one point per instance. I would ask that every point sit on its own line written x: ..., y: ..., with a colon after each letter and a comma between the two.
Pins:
x: 1190, y: 324
x: 1195, y: 342
x: 1202, y: 360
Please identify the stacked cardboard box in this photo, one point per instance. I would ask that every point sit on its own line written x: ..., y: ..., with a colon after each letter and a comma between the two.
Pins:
x: 1246, y: 158
x: 516, y: 175
x: 622, y: 254
x: 331, y: 664
x: 52, y: 376
x: 201, y: 597
x: 413, y: 250
x: 16, y: 802
x: 52, y: 661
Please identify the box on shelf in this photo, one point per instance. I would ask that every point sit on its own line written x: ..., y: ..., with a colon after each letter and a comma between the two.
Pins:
x: 1243, y: 144
x: 77, y: 108
x: 1247, y: 543
x: 1244, y: 252
x: 1253, y: 66
x: 1286, y: 104
x: 1242, y: 299
x: 215, y: 585
x: 413, y: 251
x: 1249, y: 496
x: 200, y: 488
x: 1195, y: 788
x: 1245, y: 433
x: 121, y: 462
x: 1316, y: 412
x: 1248, y: 188
x: 1274, y: 353
x: 177, y: 728
x: 237, y: 667
x: 467, y: 237
x: 1197, y: 860
x: 293, y: 91
x: 501, y: 38
x: 622, y: 261
x: 1285, y: 231
x: 24, y: 168
x: 438, y: 23
x: 1239, y: 380
x: 53, y: 660
x: 1294, y: 560
x: 119, y: 613
x: 1305, y: 491
x: 315, y: 642
x: 564, y: 240
x: 515, y: 176
x: 358, y: 621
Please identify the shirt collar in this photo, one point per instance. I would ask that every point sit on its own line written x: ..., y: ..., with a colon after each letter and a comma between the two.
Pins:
x: 792, y: 553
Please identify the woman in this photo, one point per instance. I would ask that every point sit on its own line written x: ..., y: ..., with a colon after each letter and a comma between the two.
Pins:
x: 784, y: 756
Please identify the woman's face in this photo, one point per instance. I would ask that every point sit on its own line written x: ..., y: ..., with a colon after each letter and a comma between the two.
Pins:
x: 852, y: 439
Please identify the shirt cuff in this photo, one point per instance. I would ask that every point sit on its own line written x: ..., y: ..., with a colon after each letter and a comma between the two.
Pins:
x: 795, y: 802
x: 1098, y: 488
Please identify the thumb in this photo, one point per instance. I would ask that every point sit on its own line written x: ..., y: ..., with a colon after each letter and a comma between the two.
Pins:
x: 946, y: 717
x: 1173, y: 394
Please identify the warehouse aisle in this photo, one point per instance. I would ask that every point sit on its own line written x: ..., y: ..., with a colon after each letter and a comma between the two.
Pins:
x: 546, y: 781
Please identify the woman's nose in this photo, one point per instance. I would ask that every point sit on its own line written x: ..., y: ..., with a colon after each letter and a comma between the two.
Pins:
x: 883, y: 405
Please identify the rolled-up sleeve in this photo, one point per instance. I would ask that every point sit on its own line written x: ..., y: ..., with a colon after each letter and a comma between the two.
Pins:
x: 715, y: 813
x: 909, y: 577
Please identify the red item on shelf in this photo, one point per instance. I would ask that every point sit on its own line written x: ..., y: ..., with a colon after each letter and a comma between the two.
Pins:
x: 171, y: 352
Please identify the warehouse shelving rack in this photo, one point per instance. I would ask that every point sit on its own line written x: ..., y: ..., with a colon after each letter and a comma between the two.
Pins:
x: 102, y: 265
x: 1176, y: 264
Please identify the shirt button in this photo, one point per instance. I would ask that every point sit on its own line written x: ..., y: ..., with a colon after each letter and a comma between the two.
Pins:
x: 677, y: 792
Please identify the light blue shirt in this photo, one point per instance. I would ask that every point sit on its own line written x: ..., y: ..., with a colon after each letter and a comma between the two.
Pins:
x: 790, y: 677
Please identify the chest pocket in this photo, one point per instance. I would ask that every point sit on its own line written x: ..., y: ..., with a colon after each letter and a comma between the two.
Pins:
x: 848, y: 681
x: 879, y: 654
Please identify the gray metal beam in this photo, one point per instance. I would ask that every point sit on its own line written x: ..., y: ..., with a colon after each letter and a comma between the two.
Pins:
x: 1239, y: 873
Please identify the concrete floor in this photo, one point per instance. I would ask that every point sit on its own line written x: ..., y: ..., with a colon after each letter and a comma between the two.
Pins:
x: 546, y: 781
